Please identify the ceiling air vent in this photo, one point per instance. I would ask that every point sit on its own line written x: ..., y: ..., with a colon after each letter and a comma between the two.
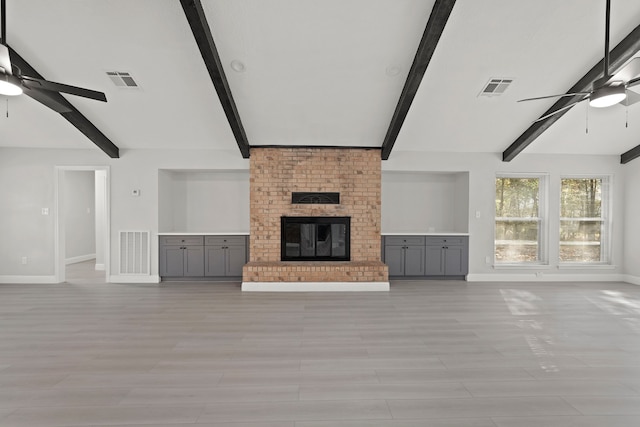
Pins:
x: 495, y: 87
x: 122, y: 79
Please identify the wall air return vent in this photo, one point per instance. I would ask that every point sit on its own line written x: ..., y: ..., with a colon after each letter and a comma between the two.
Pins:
x: 122, y: 79
x: 495, y: 87
x: 134, y: 252
x: 315, y: 198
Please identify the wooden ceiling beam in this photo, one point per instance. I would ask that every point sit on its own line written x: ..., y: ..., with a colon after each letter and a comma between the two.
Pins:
x: 634, y: 153
x: 194, y: 12
x: 73, y: 116
x: 624, y: 51
x: 434, y: 29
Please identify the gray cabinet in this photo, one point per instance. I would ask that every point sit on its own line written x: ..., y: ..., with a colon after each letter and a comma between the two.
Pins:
x: 447, y: 256
x: 202, y: 256
x: 405, y: 255
x: 225, y: 255
x: 426, y: 256
x: 181, y: 256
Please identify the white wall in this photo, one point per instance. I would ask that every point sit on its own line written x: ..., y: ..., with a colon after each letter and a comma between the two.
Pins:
x: 166, y: 200
x: 482, y: 171
x: 203, y: 201
x: 632, y: 221
x: 101, y: 217
x: 79, y: 212
x: 27, y: 179
x: 27, y: 185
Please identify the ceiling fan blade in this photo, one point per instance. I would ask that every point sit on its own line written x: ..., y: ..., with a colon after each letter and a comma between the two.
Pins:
x: 628, y: 72
x: 554, y: 96
x: 5, y: 62
x: 34, y: 83
x: 45, y: 99
x: 559, y: 110
x: 633, y: 82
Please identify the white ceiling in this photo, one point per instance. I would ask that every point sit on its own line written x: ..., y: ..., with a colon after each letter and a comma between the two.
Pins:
x: 316, y: 73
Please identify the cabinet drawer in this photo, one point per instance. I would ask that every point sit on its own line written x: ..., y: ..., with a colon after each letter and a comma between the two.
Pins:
x: 225, y: 240
x: 449, y: 240
x: 403, y: 240
x: 181, y: 240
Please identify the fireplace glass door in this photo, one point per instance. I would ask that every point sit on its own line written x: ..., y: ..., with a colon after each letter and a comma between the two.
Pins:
x: 315, y: 238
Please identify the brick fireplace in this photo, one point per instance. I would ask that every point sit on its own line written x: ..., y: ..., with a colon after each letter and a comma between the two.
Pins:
x: 278, y: 172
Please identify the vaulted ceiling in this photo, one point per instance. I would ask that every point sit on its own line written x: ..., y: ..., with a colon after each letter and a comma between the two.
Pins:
x: 306, y: 72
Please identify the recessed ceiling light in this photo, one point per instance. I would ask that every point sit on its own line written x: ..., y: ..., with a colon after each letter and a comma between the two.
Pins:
x: 237, y: 66
x: 393, y: 70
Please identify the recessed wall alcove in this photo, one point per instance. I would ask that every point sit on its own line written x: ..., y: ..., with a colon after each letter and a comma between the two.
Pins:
x: 197, y: 201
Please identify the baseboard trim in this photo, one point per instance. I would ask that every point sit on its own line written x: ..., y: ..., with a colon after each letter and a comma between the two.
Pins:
x: 545, y: 277
x: 28, y: 279
x: 315, y: 286
x: 634, y: 280
x: 79, y: 258
x: 131, y: 278
x: 100, y: 267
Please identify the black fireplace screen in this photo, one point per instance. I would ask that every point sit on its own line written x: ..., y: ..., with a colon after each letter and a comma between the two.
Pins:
x: 315, y: 238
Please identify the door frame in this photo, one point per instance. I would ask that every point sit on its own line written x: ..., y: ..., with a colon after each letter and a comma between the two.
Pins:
x: 60, y: 227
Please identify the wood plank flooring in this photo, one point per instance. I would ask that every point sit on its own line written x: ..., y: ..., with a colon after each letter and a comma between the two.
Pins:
x: 428, y: 353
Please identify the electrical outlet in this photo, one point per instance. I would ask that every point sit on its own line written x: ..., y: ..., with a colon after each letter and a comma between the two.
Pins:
x: 45, y: 211
x: 24, y: 260
x: 88, y: 210
x: 487, y: 260
x: 478, y: 214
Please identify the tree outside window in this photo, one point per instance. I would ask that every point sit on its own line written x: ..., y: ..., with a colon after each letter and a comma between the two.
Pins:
x: 582, y: 225
x: 518, y: 227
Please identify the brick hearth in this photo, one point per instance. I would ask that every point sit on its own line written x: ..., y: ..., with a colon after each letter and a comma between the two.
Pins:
x: 276, y: 173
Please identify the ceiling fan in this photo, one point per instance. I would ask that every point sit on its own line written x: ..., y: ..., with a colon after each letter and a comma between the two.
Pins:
x: 609, y: 89
x: 15, y: 83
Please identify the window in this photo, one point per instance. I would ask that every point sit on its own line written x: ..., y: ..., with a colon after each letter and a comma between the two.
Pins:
x: 583, y: 225
x: 520, y: 220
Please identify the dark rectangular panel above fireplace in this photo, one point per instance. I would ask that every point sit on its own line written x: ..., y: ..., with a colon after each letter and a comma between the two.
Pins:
x: 306, y: 198
x: 316, y: 238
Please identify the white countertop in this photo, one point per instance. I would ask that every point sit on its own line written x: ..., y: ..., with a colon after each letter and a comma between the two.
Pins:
x: 425, y: 234
x: 243, y: 233
x: 228, y: 233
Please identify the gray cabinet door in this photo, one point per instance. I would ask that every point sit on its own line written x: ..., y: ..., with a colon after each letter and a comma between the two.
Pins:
x: 193, y: 261
x: 435, y: 261
x: 456, y: 263
x: 414, y: 260
x: 236, y: 258
x: 171, y: 261
x: 394, y: 258
x: 214, y: 261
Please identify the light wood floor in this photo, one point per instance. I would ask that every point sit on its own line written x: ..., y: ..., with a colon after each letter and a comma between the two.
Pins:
x: 425, y: 354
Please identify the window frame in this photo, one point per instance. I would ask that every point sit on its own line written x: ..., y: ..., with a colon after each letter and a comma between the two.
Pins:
x: 542, y: 218
x: 606, y: 186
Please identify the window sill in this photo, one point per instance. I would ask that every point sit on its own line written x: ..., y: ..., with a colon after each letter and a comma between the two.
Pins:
x: 527, y: 266
x: 586, y: 266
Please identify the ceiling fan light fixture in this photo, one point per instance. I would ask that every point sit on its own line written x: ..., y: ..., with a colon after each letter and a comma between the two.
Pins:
x: 607, y: 96
x: 9, y: 89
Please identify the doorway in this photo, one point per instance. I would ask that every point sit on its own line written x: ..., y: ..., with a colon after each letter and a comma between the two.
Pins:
x: 82, y: 241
